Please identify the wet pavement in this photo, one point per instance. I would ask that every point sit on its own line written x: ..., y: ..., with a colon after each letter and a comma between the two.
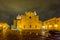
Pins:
x: 15, y: 35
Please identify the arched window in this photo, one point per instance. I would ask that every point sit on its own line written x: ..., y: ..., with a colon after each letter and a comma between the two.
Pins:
x: 30, y: 26
x: 24, y: 26
x: 35, y: 26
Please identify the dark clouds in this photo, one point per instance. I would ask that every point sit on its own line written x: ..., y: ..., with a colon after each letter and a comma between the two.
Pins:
x: 45, y: 8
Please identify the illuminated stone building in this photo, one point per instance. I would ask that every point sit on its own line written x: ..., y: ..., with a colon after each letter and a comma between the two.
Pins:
x: 52, y: 24
x: 28, y: 23
x: 3, y: 27
x: 58, y: 23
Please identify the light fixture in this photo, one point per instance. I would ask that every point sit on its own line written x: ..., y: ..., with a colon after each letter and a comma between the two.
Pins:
x: 56, y: 25
x: 50, y: 26
x: 0, y: 25
x: 43, y: 27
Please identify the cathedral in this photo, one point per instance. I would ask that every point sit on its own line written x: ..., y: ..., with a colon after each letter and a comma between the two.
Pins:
x: 29, y: 22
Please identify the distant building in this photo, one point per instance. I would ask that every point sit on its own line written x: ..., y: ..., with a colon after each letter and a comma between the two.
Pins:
x: 52, y: 24
x: 4, y: 27
x: 58, y: 23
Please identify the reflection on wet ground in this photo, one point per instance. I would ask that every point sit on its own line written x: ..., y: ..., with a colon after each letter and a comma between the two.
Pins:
x: 15, y: 35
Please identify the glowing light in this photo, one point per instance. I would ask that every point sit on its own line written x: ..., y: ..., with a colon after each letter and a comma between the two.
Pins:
x: 56, y: 25
x: 43, y: 33
x: 4, y: 27
x: 36, y: 33
x: 0, y: 25
x: 50, y: 25
x: 43, y: 27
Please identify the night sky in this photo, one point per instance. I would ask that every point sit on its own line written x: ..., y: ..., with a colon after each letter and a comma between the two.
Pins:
x: 46, y: 9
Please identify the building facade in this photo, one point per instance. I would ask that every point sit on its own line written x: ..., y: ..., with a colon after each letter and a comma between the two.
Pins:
x: 3, y: 27
x: 52, y: 24
x: 29, y: 22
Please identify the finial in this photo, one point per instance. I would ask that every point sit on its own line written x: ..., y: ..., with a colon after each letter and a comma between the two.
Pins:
x: 25, y: 12
x: 18, y: 17
x: 35, y: 12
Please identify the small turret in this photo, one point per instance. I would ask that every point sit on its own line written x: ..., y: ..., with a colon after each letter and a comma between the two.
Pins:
x: 35, y: 13
x: 18, y: 17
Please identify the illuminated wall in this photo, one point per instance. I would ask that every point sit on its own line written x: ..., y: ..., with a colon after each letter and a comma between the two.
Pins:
x: 52, y: 24
x: 4, y: 26
x: 30, y: 21
x: 58, y: 23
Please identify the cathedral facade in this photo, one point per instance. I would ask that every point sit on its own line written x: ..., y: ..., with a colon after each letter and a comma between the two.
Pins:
x: 29, y: 22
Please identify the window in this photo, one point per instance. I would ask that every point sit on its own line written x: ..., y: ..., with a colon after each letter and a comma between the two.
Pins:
x: 35, y: 26
x: 57, y: 20
x: 24, y: 26
x: 30, y: 17
x: 30, y: 26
